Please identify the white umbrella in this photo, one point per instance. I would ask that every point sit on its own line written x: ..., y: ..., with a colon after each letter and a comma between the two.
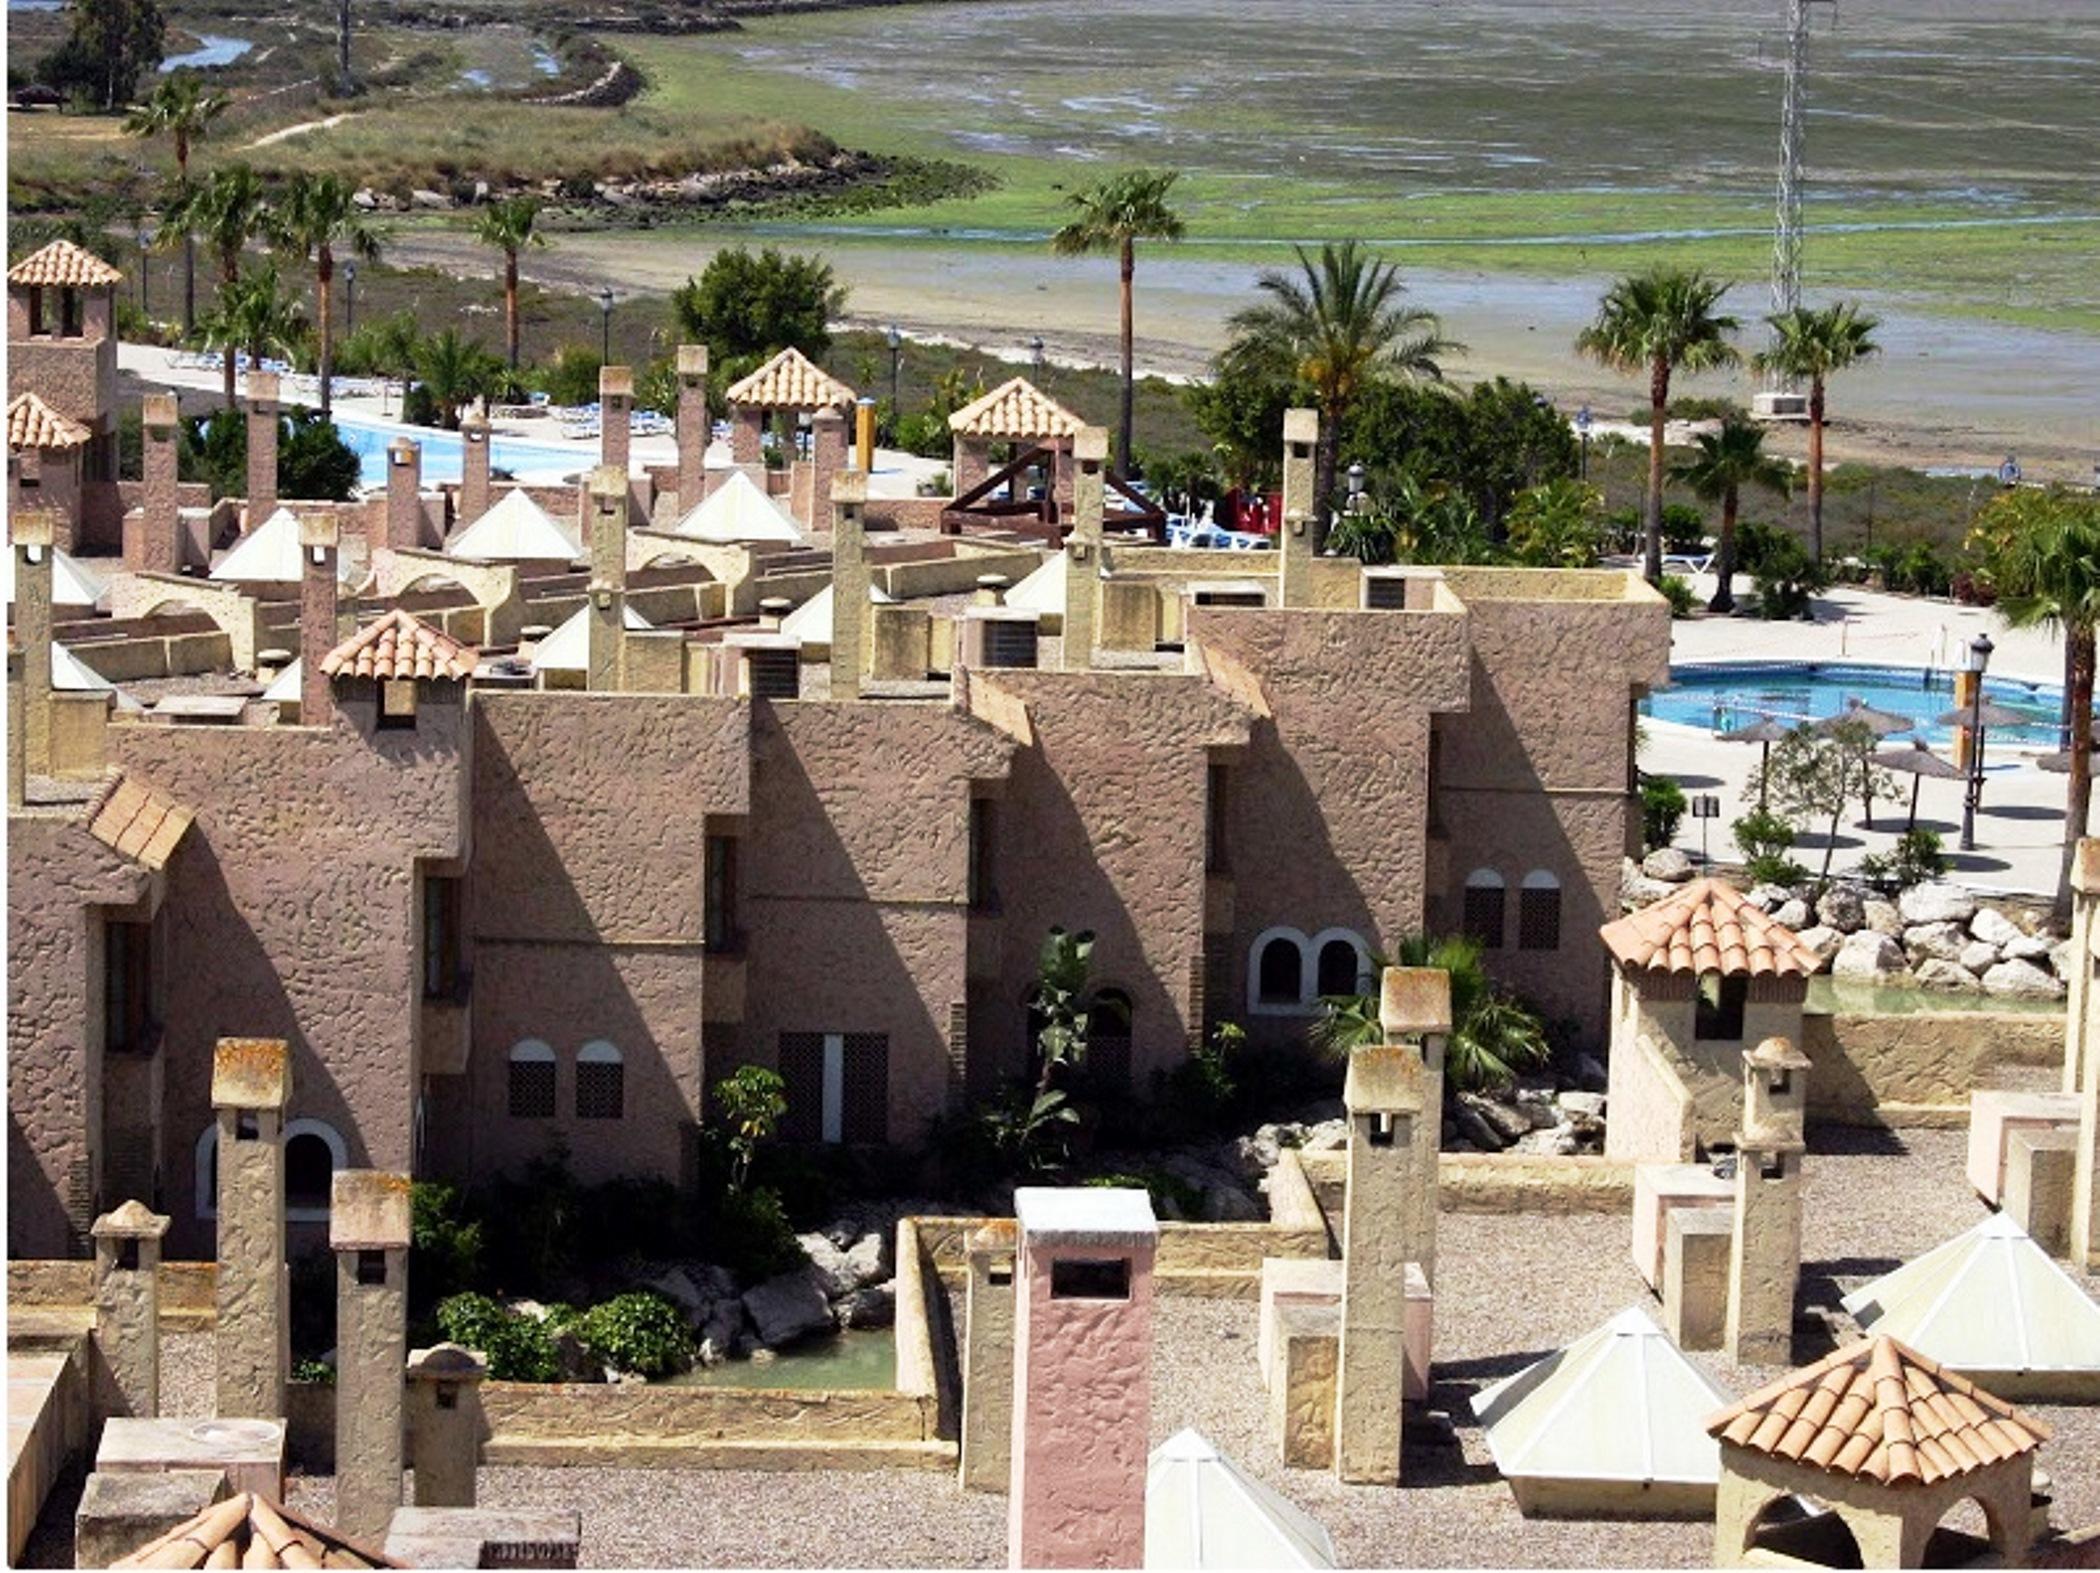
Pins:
x: 515, y: 529
x: 1203, y: 1511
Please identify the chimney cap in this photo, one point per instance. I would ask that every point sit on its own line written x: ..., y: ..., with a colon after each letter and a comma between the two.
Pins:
x: 446, y: 1363
x: 319, y: 529
x: 132, y: 1221
x: 1085, y: 1215
x: 692, y: 360
x: 849, y: 486
x: 1090, y: 443
x: 33, y: 527
x: 1414, y: 1000
x: 368, y: 1210
x: 402, y: 447
x: 251, y: 1073
x: 161, y: 409
x: 608, y: 483
x: 262, y: 387
x: 474, y: 423
x: 617, y: 381
x: 1301, y: 426
x: 776, y: 603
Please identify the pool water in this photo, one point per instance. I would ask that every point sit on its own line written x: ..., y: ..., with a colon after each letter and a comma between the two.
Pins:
x: 442, y: 453
x: 1722, y: 696
x: 857, y: 1361
x: 1827, y: 996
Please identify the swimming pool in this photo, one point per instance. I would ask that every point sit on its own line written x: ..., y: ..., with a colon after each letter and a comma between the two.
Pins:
x: 442, y: 453
x: 1723, y: 695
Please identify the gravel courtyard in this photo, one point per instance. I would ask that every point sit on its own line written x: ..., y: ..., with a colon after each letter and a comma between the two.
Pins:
x: 1514, y: 1288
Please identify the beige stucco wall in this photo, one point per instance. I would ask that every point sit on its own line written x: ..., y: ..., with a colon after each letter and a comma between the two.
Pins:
x: 1918, y: 1069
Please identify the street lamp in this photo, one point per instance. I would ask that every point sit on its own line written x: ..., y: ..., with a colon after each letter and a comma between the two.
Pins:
x: 145, y: 239
x: 350, y: 297
x: 2009, y: 471
x: 1035, y: 350
x: 1582, y: 430
x: 896, y: 344
x: 1979, y: 662
x: 1356, y: 486
x: 605, y: 306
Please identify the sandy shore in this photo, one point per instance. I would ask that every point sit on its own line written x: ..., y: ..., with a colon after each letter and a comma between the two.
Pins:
x: 1946, y: 391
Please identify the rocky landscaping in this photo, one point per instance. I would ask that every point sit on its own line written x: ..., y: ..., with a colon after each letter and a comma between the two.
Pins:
x: 1935, y: 935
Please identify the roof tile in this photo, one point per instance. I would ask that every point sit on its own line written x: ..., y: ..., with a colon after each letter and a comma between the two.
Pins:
x: 1016, y: 408
x: 62, y: 265
x: 249, y: 1530
x: 138, y: 824
x: 1708, y: 926
x: 31, y: 423
x: 791, y: 381
x: 399, y: 646
x: 1893, y: 1416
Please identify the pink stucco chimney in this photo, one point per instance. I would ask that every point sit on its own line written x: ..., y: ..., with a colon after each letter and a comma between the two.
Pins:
x: 694, y: 427
x: 615, y: 416
x: 317, y: 616
x: 1082, y: 1406
x: 474, y: 468
x: 153, y: 540
x: 262, y: 446
x: 404, y: 494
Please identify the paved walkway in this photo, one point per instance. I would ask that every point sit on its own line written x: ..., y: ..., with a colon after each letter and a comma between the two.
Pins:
x: 2020, y: 830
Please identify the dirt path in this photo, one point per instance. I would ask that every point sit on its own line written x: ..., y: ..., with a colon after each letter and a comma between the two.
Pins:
x: 300, y: 130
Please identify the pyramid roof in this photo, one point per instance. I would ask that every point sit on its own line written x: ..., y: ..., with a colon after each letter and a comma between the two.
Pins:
x: 399, y: 646
x: 64, y: 265
x: 1878, y: 1410
x: 515, y: 529
x: 71, y: 584
x: 31, y: 423
x: 251, y: 1531
x: 568, y: 648
x: 811, y: 621
x: 1708, y: 926
x: 267, y: 554
x: 1202, y: 1510
x: 1017, y: 408
x: 738, y: 510
x: 1989, y: 1299
x: 1621, y: 1403
x: 791, y: 381
x: 1043, y: 590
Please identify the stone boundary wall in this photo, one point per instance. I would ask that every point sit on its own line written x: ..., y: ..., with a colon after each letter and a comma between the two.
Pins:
x: 1651, y: 1116
x: 188, y: 1290
x: 1497, y: 1182
x: 54, y: 1437
x: 1919, y: 1069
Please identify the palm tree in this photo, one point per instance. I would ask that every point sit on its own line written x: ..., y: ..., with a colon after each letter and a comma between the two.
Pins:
x: 1493, y: 1035
x: 1660, y: 322
x: 400, y: 344
x: 181, y: 107
x: 2040, y: 551
x: 254, y: 313
x: 508, y: 226
x: 1338, y: 325
x: 227, y: 209
x: 316, y: 215
x: 1814, y: 346
x: 455, y: 371
x: 1114, y: 214
x: 1729, y: 460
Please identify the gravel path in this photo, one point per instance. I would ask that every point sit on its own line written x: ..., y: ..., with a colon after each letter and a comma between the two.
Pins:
x: 1514, y: 1288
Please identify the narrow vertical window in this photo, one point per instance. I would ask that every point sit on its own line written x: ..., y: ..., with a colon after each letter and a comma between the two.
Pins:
x: 983, y: 823
x: 1485, y: 901
x: 601, y: 1082
x: 1215, y: 808
x: 531, y: 1081
x: 441, y: 937
x: 720, y: 894
x: 1538, y: 912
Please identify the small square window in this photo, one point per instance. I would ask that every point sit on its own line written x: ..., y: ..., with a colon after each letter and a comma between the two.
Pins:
x: 1000, y: 1273
x: 532, y: 1089
x: 447, y: 1396
x: 127, y: 1256
x: 371, y: 1268
x: 246, y: 1127
x: 1717, y: 1016
x: 397, y: 703
x: 1084, y: 1279
x: 1772, y: 1165
x: 1383, y: 1130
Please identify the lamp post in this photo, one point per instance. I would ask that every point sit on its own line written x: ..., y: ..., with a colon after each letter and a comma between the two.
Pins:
x: 1035, y: 352
x: 349, y: 298
x: 1979, y: 662
x: 145, y: 239
x: 605, y: 306
x: 895, y: 341
x: 2009, y: 471
x: 1582, y: 430
x: 1356, y: 486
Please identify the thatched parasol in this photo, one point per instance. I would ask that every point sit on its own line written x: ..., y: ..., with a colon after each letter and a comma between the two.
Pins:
x: 1859, y: 713
x: 1987, y: 715
x: 1764, y: 732
x: 2059, y: 763
x: 1918, y: 762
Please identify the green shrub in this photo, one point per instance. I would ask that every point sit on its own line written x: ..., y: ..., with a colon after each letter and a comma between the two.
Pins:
x: 641, y: 1332
x: 752, y: 1236
x: 517, y: 1348
x: 1683, y: 528
x: 1677, y: 590
x: 1172, y: 1196
x: 1662, y: 810
x: 1764, y: 839
x: 1787, y: 577
x: 313, y: 1373
x: 445, y: 1248
x: 569, y: 376
x: 1915, y: 859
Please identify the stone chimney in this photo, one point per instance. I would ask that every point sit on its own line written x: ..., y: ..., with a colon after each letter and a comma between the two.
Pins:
x: 694, y: 426
x: 404, y: 494
x: 1389, y: 1099
x: 262, y: 446
x: 34, y: 530
x: 615, y: 417
x: 608, y: 591
x: 446, y: 1425
x: 1294, y: 537
x: 1082, y: 1378
x: 747, y: 435
x: 1083, y: 548
x: 827, y: 460
x: 849, y: 585
x: 251, y: 1083
x: 474, y: 467
x: 127, y: 1312
x: 319, y: 629
x: 988, y: 1359
x: 1765, y: 1256
x: 153, y: 539
x: 368, y: 1229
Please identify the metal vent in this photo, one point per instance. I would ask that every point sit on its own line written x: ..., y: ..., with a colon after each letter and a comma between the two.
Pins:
x: 1230, y: 598
x: 1385, y: 593
x: 1009, y: 641
x: 775, y: 674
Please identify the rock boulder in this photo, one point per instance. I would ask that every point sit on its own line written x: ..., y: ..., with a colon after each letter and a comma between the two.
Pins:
x: 1936, y: 902
x: 1938, y: 974
x: 1668, y: 864
x: 1867, y: 957
x: 2022, y: 980
x: 1841, y: 908
x: 789, y: 1307
x: 1994, y: 928
x: 1935, y: 941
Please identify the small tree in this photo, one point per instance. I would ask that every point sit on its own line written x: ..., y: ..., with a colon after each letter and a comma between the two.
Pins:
x: 746, y: 305
x: 113, y: 43
x: 1813, y: 775
x: 1558, y: 524
x: 509, y: 226
x: 753, y: 1102
x: 1494, y: 1035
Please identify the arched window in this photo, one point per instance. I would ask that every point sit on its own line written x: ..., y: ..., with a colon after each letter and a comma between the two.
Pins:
x: 1280, y: 972
x: 1485, y: 896
x: 531, y: 1080
x: 1538, y: 912
x: 1341, y: 965
x: 313, y: 1151
x: 601, y: 1082
x: 1108, y: 1034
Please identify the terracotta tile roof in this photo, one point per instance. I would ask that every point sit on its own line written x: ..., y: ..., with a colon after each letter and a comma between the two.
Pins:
x: 136, y: 823
x: 31, y: 423
x: 790, y: 381
x: 1708, y: 926
x: 1017, y: 408
x: 251, y: 1531
x: 63, y: 265
x: 398, y: 646
x: 1879, y: 1410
